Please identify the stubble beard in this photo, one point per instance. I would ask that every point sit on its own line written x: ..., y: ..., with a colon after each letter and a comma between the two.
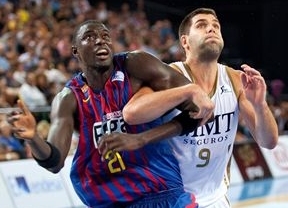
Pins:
x: 210, y: 52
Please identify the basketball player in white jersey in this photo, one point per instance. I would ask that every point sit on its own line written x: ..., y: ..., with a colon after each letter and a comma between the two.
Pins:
x: 204, y: 153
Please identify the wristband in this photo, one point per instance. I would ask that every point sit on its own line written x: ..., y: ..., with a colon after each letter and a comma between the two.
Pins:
x: 188, y: 124
x: 52, y: 160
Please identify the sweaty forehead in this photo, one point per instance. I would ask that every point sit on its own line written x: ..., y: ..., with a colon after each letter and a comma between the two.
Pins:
x: 93, y: 26
x: 204, y: 17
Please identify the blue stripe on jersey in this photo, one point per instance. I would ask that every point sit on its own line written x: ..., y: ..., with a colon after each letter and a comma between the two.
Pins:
x: 146, y: 169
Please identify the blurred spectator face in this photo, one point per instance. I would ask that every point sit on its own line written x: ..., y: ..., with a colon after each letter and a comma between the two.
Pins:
x: 43, y: 129
x: 42, y: 81
x: 277, y: 87
x: 5, y: 129
x: 31, y: 78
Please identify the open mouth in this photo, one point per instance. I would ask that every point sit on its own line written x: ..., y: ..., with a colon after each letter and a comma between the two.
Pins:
x: 102, y: 53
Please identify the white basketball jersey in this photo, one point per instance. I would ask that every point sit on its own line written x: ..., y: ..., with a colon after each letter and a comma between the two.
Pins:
x: 204, y: 154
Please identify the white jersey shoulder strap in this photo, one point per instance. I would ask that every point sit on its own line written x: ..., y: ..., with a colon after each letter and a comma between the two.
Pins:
x: 179, y: 66
x: 229, y: 71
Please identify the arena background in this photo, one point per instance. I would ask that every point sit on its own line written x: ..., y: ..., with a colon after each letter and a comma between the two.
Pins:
x: 254, y: 31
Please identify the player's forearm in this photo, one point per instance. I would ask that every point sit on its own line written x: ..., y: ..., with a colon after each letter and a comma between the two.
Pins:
x: 266, y: 130
x: 181, y: 124
x: 39, y: 148
x: 166, y: 131
x: 150, y: 106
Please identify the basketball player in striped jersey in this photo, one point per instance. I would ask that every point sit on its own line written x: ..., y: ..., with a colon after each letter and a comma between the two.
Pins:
x: 92, y: 103
x: 204, y: 153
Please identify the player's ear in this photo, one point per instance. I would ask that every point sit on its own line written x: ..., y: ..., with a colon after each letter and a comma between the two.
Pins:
x: 183, y: 41
x: 74, y: 50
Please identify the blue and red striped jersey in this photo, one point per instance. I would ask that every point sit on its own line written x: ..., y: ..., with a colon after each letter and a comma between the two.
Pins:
x: 125, y: 176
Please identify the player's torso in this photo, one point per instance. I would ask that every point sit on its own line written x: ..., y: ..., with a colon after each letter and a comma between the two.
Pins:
x: 125, y: 175
x: 203, y: 155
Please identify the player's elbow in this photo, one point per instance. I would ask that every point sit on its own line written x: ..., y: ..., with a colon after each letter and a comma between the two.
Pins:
x: 129, y: 116
x: 270, y: 143
x: 56, y: 169
x: 273, y: 143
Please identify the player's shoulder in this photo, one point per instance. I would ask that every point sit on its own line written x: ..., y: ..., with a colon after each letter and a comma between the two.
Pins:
x: 65, y: 95
x: 142, y: 59
x: 235, y: 78
x: 233, y: 72
x: 177, y: 65
x: 137, y: 54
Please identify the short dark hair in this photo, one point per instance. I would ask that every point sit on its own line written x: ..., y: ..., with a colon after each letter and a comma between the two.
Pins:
x: 187, y: 21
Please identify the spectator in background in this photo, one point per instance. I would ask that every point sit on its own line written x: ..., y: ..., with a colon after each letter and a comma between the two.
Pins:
x: 30, y: 93
x: 6, y: 154
x: 11, y: 144
x: 19, y: 73
x: 277, y: 87
x: 101, y: 11
x: 29, y: 58
x: 45, y: 86
x: 43, y: 127
x: 4, y: 62
x: 8, y: 95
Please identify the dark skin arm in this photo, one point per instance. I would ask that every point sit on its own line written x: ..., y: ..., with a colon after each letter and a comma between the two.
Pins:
x: 158, y: 75
x: 127, y: 142
x: 60, y: 133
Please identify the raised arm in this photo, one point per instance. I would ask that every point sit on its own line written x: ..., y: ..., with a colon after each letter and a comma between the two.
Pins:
x: 51, y: 154
x: 254, y: 108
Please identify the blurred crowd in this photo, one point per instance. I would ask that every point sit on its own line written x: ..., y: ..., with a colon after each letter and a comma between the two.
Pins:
x: 36, y: 58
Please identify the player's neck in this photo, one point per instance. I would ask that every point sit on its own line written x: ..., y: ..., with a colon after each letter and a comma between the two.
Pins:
x: 202, y: 69
x: 203, y: 74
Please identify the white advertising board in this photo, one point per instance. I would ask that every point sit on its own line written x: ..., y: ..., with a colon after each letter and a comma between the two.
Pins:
x: 5, y: 199
x: 277, y: 158
x: 31, y: 186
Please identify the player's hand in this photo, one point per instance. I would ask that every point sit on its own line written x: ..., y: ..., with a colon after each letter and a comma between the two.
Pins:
x: 119, y: 142
x: 254, y: 85
x: 22, y: 122
x: 203, y: 106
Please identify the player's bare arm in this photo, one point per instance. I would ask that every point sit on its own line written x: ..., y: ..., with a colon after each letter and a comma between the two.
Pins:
x: 191, y: 97
x: 60, y: 134
x: 147, y: 70
x: 62, y: 124
x: 254, y: 108
x: 127, y: 142
x: 24, y: 127
x: 147, y: 105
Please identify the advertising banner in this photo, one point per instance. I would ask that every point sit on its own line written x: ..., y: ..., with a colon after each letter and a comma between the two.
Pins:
x: 277, y: 158
x: 31, y: 186
x: 251, y: 161
x: 5, y: 199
